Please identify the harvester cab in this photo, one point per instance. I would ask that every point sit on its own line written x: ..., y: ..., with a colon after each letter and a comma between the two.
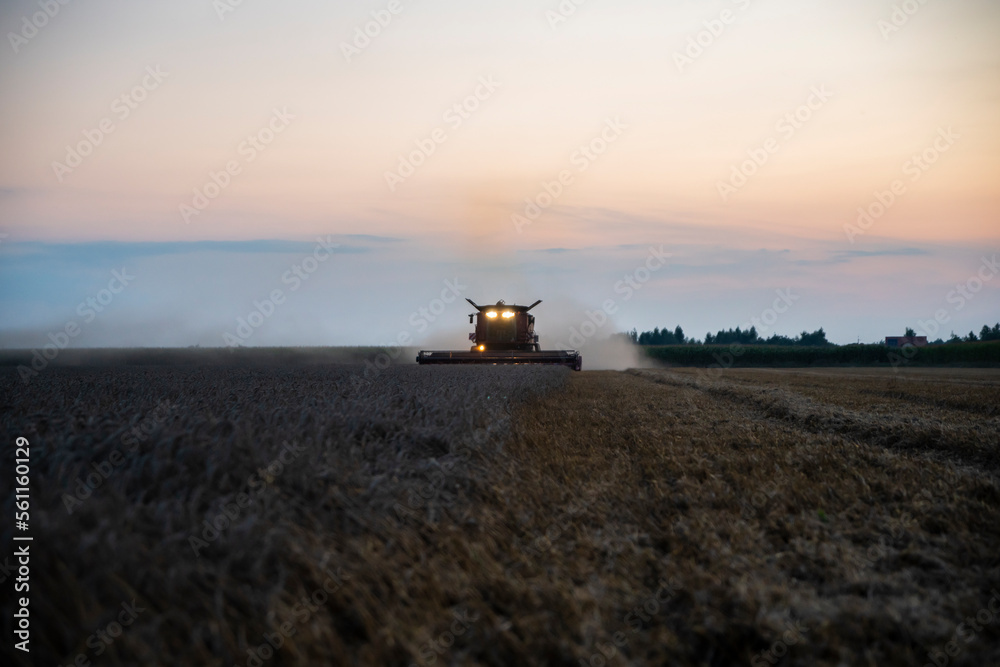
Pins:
x: 505, y: 334
x: 503, y: 327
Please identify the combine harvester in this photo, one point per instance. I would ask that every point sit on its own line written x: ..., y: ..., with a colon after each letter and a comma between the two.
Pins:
x: 504, y: 335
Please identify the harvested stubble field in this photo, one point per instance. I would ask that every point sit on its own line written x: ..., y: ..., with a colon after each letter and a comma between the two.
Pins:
x: 501, y: 516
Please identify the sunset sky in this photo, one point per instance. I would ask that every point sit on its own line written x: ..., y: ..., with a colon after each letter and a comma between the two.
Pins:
x: 516, y: 150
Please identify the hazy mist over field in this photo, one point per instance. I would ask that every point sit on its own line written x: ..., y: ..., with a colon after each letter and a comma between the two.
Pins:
x: 215, y: 152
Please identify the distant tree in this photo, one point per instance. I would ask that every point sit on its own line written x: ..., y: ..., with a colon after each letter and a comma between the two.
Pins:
x: 816, y: 338
x: 910, y: 333
x: 954, y: 338
x: 660, y: 336
x: 971, y: 338
x: 938, y: 342
x: 986, y: 333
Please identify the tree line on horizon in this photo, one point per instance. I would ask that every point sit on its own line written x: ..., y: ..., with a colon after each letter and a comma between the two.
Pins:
x: 750, y: 336
x: 986, y: 334
x: 675, y: 336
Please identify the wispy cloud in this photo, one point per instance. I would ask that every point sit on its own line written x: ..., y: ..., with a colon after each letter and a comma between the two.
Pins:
x: 117, y: 251
x: 847, y: 256
x: 887, y: 252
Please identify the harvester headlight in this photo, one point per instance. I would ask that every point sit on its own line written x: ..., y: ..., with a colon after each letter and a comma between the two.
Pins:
x: 508, y: 314
x: 491, y: 314
x: 482, y: 348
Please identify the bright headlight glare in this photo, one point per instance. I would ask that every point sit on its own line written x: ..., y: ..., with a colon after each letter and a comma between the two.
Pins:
x: 508, y: 314
x: 491, y: 314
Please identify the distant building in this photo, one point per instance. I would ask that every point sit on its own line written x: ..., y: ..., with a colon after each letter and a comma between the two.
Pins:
x: 900, y: 341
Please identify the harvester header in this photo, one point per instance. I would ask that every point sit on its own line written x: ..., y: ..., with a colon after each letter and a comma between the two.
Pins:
x: 505, y: 334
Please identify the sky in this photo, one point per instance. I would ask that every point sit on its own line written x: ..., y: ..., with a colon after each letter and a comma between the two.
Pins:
x: 315, y: 173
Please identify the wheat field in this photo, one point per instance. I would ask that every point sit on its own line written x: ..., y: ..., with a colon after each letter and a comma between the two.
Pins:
x: 332, y: 513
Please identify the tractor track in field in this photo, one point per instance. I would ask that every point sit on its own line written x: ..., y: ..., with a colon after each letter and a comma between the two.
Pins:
x: 967, y: 442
